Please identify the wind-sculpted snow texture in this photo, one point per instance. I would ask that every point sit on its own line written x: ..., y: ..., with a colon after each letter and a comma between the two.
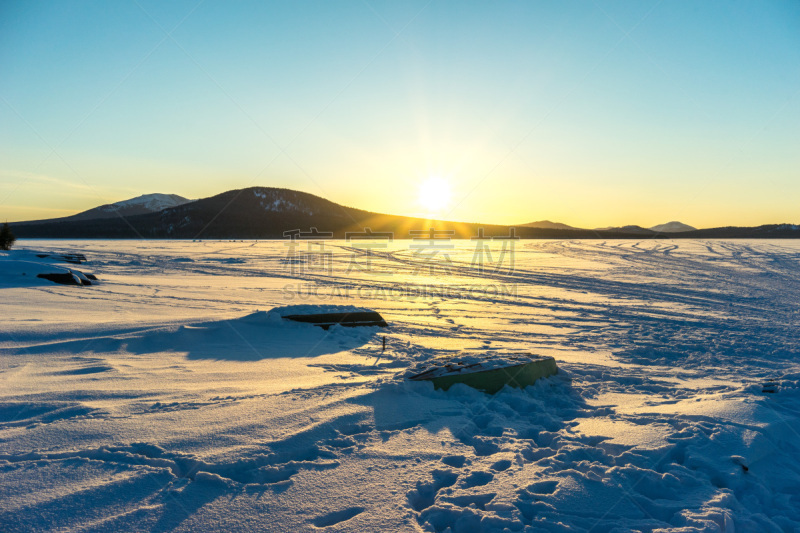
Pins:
x: 168, y: 398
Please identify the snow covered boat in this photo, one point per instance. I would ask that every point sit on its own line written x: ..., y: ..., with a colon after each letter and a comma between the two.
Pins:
x: 488, y: 372
x: 350, y: 320
x: 22, y: 267
x: 325, y: 316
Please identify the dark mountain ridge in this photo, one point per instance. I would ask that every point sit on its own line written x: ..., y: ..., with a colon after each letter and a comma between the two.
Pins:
x: 252, y: 213
x: 267, y: 213
x: 546, y: 224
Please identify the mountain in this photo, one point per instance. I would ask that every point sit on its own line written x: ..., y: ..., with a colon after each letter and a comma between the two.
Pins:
x: 631, y: 230
x: 546, y: 224
x: 144, y: 204
x: 766, y: 231
x: 672, y: 227
x: 252, y: 213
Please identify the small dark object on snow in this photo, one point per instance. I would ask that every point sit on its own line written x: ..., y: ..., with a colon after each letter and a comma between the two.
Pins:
x: 770, y: 386
x: 91, y: 277
x: 74, y: 258
x: 64, y: 279
x: 350, y: 320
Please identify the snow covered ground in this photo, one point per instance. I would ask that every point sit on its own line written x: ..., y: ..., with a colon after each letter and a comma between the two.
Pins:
x: 166, y: 397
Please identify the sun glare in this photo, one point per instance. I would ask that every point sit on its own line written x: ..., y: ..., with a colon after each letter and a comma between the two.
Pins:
x: 434, y: 194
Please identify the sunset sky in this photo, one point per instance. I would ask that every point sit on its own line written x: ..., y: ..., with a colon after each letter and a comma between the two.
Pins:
x: 590, y: 113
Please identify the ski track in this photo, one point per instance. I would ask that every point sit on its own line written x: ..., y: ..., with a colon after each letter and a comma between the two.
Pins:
x: 158, y: 400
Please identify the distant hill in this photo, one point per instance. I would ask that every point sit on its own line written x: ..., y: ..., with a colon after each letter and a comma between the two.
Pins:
x: 633, y: 230
x: 546, y: 224
x: 767, y: 231
x: 672, y: 227
x: 147, y: 203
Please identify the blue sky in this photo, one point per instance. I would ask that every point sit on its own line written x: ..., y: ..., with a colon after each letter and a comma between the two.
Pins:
x: 589, y: 113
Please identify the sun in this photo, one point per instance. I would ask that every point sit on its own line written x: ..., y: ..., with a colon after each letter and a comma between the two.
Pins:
x: 434, y: 194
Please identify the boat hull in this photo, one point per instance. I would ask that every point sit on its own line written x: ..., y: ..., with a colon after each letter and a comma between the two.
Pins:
x: 493, y: 380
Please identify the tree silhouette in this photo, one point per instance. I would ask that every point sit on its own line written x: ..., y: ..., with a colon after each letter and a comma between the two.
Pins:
x: 6, y: 237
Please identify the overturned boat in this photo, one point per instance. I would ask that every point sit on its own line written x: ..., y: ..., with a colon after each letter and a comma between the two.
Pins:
x: 488, y: 371
x: 325, y: 316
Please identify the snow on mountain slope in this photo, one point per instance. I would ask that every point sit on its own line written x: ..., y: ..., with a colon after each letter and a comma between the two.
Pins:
x: 281, y: 201
x: 152, y: 202
x: 147, y: 203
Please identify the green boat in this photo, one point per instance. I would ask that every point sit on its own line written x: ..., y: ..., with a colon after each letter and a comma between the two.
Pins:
x: 488, y: 373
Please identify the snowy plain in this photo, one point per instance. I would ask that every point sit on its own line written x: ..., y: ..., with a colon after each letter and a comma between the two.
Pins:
x: 167, y: 397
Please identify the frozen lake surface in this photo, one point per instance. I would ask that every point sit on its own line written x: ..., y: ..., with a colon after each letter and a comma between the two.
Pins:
x: 168, y: 398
